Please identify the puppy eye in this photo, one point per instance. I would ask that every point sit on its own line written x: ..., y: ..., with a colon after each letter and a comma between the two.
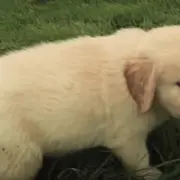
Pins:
x: 178, y: 83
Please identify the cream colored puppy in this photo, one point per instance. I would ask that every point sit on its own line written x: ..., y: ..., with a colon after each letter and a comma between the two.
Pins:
x: 85, y: 92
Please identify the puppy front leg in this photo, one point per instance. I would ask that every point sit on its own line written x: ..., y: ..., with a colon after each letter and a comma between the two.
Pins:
x: 135, y: 157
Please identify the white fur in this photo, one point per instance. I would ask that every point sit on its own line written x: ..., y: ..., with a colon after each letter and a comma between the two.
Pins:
x: 64, y: 96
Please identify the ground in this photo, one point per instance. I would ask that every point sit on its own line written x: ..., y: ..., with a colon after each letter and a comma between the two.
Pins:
x: 26, y: 22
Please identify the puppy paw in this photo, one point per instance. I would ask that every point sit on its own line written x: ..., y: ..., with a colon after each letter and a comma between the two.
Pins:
x: 149, y: 174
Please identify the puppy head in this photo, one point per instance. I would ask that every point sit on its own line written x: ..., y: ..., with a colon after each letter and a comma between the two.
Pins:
x: 154, y: 72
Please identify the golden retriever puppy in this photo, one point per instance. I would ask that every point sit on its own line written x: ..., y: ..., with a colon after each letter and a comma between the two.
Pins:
x: 85, y: 92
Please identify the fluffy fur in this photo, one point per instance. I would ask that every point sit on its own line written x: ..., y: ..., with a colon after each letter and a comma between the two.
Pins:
x: 85, y: 92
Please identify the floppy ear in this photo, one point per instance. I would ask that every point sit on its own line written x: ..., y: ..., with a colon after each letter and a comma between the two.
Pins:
x: 140, y: 75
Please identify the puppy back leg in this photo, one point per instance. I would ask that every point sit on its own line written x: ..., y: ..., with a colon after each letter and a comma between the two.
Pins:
x: 20, y: 158
x: 135, y: 157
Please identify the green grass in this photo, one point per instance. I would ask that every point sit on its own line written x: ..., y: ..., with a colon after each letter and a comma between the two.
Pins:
x: 23, y: 23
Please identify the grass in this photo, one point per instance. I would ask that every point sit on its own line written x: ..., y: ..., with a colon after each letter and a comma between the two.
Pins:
x: 23, y: 23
